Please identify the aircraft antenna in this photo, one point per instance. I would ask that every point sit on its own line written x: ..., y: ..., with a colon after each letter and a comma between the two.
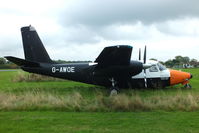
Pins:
x: 139, y: 54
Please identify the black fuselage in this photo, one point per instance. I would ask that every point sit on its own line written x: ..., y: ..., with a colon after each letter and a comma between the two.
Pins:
x: 89, y: 73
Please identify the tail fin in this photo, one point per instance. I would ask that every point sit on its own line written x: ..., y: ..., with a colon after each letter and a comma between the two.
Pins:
x: 33, y: 47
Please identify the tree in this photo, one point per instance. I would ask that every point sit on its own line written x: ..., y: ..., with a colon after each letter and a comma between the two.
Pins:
x: 169, y: 63
x: 178, y: 60
x: 153, y: 59
x: 2, y: 61
x: 161, y: 62
x: 186, y: 60
x: 194, y: 62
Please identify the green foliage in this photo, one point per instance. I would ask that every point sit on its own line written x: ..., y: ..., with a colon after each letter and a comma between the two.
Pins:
x: 194, y: 63
x: 178, y: 61
x: 2, y: 61
x: 153, y: 59
x: 4, y: 64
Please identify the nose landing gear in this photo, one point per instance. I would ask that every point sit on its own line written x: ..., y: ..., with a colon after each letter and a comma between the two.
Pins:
x: 187, y: 86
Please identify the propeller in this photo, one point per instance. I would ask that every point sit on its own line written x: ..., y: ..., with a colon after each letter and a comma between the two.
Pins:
x: 145, y: 65
x: 145, y: 78
x: 145, y: 55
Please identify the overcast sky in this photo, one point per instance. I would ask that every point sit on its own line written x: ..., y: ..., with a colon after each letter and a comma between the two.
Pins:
x: 80, y: 29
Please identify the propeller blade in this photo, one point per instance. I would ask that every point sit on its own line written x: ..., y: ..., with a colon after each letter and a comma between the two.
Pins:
x: 145, y: 67
x: 139, y: 54
x: 145, y: 55
x: 145, y: 79
x: 145, y: 82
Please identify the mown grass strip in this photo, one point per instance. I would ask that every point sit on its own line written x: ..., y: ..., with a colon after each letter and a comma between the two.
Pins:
x: 98, y: 122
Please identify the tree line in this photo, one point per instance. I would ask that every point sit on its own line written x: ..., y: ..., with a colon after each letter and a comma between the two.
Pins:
x: 177, y: 62
x: 4, y: 64
x: 180, y: 62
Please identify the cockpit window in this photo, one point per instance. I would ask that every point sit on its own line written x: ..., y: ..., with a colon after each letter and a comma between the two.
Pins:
x: 153, y: 68
x: 161, y: 67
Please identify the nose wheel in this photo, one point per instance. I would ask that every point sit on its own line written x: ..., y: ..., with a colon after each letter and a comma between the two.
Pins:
x: 187, y: 86
x: 114, y: 89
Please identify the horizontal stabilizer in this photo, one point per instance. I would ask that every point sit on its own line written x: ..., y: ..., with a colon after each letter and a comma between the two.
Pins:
x: 114, y: 55
x: 22, y: 62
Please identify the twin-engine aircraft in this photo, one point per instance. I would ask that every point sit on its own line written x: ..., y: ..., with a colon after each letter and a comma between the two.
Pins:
x: 113, y: 68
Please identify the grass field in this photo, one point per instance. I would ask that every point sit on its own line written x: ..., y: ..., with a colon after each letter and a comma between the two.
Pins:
x: 84, y: 122
x: 46, y: 107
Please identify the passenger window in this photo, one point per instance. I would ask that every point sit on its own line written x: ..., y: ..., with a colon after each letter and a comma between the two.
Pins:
x: 153, y: 69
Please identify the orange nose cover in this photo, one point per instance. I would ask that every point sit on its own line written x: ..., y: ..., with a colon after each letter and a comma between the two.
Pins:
x: 177, y: 77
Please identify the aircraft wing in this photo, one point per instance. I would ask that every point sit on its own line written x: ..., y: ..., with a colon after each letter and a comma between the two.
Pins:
x: 114, y: 55
x: 22, y: 62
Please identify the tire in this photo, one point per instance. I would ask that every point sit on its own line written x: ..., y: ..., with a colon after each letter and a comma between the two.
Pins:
x: 187, y: 86
x: 114, y: 91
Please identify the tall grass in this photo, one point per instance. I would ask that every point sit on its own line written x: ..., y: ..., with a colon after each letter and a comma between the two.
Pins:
x: 81, y: 99
x: 76, y: 102
x: 31, y: 77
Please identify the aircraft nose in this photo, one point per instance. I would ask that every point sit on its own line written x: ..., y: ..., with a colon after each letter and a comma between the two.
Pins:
x: 177, y: 77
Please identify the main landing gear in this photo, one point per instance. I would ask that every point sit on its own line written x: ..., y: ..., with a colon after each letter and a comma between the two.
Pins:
x: 113, y: 90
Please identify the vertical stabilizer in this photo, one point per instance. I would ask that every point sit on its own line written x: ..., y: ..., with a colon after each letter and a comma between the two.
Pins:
x: 34, y: 49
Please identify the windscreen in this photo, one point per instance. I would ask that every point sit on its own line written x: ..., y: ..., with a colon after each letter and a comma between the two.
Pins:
x: 161, y: 67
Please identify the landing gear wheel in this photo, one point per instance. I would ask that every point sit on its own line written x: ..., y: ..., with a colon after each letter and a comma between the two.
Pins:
x: 187, y: 86
x: 113, y: 92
